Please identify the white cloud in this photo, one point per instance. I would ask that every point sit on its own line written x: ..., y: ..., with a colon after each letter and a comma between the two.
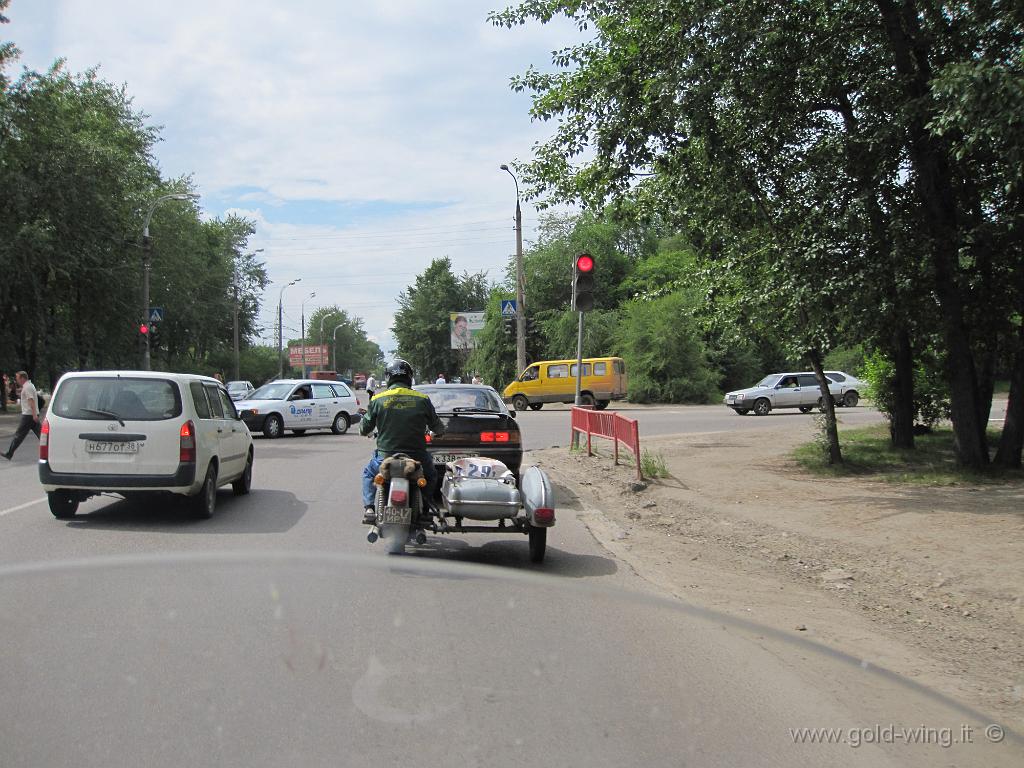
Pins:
x: 269, y: 104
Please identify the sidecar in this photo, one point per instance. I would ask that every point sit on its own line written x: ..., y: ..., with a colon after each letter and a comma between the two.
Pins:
x: 481, y: 495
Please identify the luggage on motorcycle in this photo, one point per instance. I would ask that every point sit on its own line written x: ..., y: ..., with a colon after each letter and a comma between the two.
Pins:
x: 480, y: 489
x: 400, y: 465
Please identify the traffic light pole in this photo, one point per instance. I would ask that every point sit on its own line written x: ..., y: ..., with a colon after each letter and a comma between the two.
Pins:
x: 579, y: 361
x: 145, y: 298
x: 520, y: 292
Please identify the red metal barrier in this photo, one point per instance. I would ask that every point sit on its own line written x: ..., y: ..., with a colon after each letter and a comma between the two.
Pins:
x: 607, y: 424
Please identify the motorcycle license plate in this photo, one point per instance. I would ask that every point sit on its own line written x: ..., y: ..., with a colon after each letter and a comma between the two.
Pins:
x: 396, y: 516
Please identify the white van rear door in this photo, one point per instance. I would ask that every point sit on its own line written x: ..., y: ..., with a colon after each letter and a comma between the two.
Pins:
x: 112, y: 425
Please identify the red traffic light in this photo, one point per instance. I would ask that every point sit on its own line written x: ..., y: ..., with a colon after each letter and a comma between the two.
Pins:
x: 584, y: 263
x: 143, y: 329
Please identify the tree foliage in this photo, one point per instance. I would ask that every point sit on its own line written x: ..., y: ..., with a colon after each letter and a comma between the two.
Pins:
x: 838, y: 167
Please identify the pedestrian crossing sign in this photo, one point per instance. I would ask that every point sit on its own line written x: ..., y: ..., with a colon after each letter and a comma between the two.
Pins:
x: 508, y: 307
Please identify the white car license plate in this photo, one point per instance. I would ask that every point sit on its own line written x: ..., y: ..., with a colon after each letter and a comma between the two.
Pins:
x: 445, y: 458
x: 98, y: 446
x: 396, y: 516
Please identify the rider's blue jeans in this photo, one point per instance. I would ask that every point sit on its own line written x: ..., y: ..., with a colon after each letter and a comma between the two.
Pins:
x: 371, y: 469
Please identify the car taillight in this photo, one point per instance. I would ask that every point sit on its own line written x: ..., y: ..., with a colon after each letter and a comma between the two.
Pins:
x: 44, y: 441
x: 495, y: 437
x: 486, y: 437
x: 399, y: 497
x: 544, y: 515
x: 187, y: 443
x: 501, y: 437
x: 430, y: 438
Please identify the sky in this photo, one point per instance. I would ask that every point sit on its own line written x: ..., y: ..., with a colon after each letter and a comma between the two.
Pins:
x: 363, y: 139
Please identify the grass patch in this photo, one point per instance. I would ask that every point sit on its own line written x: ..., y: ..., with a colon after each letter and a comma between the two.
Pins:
x: 652, y: 464
x: 866, y: 451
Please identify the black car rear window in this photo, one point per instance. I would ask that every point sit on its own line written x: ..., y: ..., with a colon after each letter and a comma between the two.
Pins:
x: 102, y: 398
x: 448, y: 399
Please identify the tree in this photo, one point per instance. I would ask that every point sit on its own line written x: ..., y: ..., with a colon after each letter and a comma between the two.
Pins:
x: 350, y: 349
x: 802, y: 146
x: 421, y: 325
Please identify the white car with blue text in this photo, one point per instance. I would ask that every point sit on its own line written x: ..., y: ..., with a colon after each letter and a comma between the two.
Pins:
x: 299, y: 405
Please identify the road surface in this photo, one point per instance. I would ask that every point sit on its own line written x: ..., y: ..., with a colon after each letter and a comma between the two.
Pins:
x: 274, y: 634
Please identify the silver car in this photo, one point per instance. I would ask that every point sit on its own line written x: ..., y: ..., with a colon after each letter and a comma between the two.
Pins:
x: 793, y: 390
x: 299, y: 405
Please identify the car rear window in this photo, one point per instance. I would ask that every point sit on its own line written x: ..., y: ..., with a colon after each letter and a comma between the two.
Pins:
x: 447, y: 399
x: 808, y: 380
x: 341, y: 390
x: 102, y: 398
x: 835, y: 376
x: 586, y: 370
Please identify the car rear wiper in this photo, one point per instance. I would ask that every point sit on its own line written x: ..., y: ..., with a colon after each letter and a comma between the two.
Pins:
x: 467, y: 409
x: 111, y: 414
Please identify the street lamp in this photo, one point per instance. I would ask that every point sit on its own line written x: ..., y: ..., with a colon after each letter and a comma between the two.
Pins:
x: 335, y: 336
x: 146, y: 253
x: 235, y: 319
x: 520, y: 282
x: 280, y: 328
x: 303, y: 305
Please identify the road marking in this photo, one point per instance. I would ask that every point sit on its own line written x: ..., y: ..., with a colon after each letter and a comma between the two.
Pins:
x: 21, y: 506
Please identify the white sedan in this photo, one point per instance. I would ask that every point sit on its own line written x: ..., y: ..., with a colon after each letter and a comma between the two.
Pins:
x: 299, y: 405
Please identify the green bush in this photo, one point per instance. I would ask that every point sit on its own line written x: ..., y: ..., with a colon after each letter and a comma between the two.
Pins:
x: 664, y: 352
x: 931, y: 396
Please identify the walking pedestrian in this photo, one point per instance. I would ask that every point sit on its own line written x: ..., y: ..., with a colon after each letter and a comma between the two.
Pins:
x: 371, y: 385
x: 29, y: 413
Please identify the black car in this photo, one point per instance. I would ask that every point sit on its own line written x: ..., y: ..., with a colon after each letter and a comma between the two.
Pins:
x: 477, y: 423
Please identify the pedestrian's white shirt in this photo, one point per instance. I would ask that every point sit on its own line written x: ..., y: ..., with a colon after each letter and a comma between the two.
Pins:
x: 28, y: 396
x: 440, y: 380
x: 371, y: 383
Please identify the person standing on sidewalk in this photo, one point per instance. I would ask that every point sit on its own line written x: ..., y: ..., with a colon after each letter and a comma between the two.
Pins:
x: 29, y: 413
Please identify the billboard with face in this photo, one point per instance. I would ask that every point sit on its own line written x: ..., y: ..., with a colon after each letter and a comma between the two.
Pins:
x: 464, y: 328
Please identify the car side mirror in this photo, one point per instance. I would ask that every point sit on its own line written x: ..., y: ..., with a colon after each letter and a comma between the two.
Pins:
x: 512, y: 412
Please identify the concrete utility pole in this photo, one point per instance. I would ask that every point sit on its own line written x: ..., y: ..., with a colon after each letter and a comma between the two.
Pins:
x: 335, y: 335
x: 520, y: 283
x: 280, y: 328
x: 323, y: 343
x: 146, y: 254
x: 311, y: 296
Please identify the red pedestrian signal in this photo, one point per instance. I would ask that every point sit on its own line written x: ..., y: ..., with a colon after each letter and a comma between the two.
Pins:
x: 584, y: 263
x: 143, y: 329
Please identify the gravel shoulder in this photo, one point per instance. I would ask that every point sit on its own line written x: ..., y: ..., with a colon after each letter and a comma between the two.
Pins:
x: 926, y: 581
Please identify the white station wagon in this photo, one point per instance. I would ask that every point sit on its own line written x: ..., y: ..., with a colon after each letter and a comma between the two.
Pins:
x: 135, y: 432
x: 299, y: 405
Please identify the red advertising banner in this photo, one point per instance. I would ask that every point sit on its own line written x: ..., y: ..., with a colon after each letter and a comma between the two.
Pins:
x: 316, y: 355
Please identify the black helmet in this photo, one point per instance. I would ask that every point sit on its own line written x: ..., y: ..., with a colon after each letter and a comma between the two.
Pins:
x: 399, y: 371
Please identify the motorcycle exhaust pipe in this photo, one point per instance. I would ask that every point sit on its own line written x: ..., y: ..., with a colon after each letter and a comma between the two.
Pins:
x: 373, y: 535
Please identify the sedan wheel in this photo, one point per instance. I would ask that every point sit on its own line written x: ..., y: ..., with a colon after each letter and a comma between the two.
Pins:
x: 520, y: 403
x: 273, y: 427
x: 340, y: 425
x: 806, y: 409
x: 762, y: 407
x: 851, y: 399
x: 536, y: 406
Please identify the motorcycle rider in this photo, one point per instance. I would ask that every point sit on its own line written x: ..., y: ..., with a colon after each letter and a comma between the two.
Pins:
x: 401, y: 416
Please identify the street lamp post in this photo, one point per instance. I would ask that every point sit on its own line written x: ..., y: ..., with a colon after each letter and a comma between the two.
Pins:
x: 146, y: 254
x: 335, y: 336
x: 311, y: 296
x: 280, y: 328
x: 238, y: 375
x: 520, y: 283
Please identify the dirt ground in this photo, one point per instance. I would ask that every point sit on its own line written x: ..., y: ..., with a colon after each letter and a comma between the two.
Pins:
x: 926, y: 581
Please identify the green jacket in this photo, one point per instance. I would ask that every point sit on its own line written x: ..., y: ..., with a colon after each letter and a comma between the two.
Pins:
x: 401, y: 417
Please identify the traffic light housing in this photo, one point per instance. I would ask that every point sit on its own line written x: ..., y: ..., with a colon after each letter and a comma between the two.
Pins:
x: 510, y: 325
x: 583, y: 283
x: 154, y: 335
